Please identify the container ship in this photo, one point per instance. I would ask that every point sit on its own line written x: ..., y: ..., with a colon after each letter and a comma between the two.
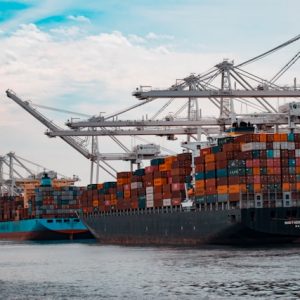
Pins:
x: 242, y: 189
x: 48, y: 214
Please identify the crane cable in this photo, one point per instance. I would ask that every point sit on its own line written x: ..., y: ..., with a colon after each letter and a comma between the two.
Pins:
x: 269, y: 52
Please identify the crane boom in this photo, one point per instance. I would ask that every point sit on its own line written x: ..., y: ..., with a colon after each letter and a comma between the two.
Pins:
x: 72, y: 142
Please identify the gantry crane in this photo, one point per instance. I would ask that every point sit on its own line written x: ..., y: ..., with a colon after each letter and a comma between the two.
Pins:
x: 223, y: 85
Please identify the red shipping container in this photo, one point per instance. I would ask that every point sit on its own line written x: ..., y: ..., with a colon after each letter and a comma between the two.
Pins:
x: 222, y: 181
x: 198, y: 160
x: 176, y: 201
x: 270, y: 162
x: 249, y: 163
x: 221, y: 164
x: 233, y: 180
x: 276, y: 162
x: 199, y: 168
x: 256, y: 179
x: 151, y: 169
x: 263, y: 163
x: 178, y: 187
x: 256, y: 163
x: 210, y: 182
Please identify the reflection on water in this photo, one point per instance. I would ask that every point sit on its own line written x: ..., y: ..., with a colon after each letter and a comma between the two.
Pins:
x: 91, y: 271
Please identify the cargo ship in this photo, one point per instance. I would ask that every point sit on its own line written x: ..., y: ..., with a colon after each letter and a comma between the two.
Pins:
x: 243, y: 189
x: 49, y: 214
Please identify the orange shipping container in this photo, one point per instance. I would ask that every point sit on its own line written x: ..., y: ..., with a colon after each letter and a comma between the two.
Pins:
x: 286, y: 187
x: 276, y: 137
x: 283, y: 137
x: 256, y: 171
x: 199, y: 183
x: 209, y: 158
x: 298, y: 186
x: 170, y: 159
x: 123, y: 181
x: 127, y: 194
x: 243, y: 188
x: 113, y: 202
x: 233, y: 189
x: 199, y: 191
x: 165, y: 167
x: 257, y: 187
x: 160, y: 181
x: 222, y: 189
x: 262, y: 137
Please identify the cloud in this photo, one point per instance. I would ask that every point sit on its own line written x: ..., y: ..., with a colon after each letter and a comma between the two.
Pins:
x: 90, y: 73
x: 154, y: 36
x: 81, y: 19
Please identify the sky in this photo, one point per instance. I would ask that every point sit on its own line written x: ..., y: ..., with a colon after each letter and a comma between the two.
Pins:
x: 88, y: 57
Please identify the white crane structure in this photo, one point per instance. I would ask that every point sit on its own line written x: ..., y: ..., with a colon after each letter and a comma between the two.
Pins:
x: 223, y: 86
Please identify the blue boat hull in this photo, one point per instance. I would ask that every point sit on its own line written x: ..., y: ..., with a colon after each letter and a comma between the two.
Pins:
x: 44, y: 229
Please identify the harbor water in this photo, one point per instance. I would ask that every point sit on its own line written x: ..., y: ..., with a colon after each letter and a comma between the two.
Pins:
x: 88, y: 270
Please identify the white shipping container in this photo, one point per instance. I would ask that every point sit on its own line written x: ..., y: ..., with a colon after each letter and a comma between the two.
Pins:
x: 166, y: 202
x: 253, y: 146
x: 284, y: 145
x: 149, y: 190
x: 149, y: 203
x: 297, y: 152
x: 149, y: 197
x: 247, y: 147
x: 136, y: 185
x: 276, y: 153
x: 262, y: 146
x: 291, y: 146
x: 276, y: 145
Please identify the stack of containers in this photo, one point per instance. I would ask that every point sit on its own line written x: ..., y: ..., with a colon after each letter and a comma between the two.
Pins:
x: 138, y: 188
x: 12, y: 208
x: 51, y: 201
x: 264, y: 164
x: 181, y: 177
x: 158, y: 185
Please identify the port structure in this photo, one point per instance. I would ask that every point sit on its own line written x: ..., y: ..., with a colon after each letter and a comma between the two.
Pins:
x: 223, y: 86
x: 136, y: 155
x: 12, y: 181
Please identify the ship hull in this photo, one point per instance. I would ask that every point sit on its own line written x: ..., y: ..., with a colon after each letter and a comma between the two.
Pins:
x: 43, y: 229
x: 182, y: 228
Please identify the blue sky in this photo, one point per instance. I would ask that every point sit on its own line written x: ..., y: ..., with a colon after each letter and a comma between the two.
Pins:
x: 89, y: 56
x: 207, y: 24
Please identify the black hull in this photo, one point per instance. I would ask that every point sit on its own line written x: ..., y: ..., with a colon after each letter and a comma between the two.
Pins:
x: 182, y: 228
